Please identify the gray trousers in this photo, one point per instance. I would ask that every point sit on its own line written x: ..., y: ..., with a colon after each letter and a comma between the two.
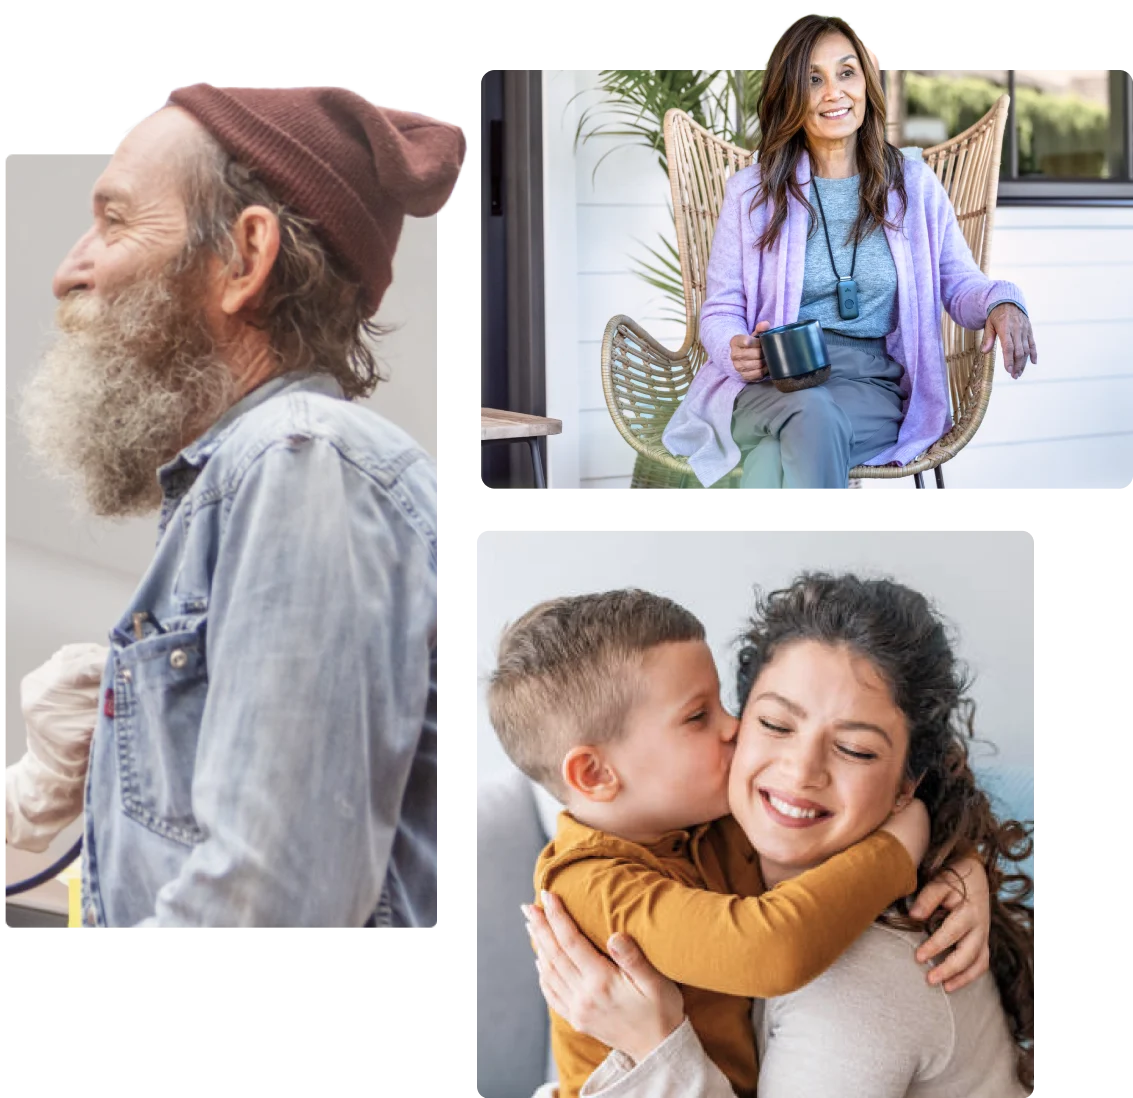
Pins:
x: 814, y: 437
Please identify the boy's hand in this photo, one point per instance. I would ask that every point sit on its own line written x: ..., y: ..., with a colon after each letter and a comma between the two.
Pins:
x: 961, y: 888
x: 911, y: 826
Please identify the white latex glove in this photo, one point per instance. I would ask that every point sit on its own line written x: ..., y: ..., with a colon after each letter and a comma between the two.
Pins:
x: 60, y: 703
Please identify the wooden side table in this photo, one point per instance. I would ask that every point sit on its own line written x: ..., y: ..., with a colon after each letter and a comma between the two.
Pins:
x: 500, y: 426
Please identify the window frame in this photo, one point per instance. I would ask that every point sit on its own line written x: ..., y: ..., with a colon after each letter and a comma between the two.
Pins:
x: 1016, y: 191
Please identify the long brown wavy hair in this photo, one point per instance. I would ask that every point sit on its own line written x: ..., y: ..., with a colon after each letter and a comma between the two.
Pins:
x: 783, y: 103
x: 905, y: 639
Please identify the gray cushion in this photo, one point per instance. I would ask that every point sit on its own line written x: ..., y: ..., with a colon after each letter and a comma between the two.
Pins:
x: 512, y: 1036
x: 548, y: 809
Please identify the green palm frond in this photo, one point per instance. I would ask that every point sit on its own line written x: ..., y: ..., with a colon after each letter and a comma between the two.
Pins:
x: 664, y: 274
x: 633, y: 107
x: 635, y: 102
x: 734, y: 100
x: 668, y: 259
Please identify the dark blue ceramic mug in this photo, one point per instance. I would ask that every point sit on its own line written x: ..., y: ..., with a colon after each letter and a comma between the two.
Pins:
x: 795, y: 355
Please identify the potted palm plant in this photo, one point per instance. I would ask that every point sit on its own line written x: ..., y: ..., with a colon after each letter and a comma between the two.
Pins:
x: 633, y: 107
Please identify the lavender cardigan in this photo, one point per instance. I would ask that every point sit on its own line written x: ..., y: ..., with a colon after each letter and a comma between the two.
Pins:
x: 935, y: 270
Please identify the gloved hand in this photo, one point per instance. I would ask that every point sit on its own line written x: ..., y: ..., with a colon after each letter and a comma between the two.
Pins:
x: 60, y: 702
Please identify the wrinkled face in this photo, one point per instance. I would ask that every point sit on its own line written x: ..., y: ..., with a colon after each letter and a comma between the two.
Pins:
x: 820, y: 759
x: 133, y: 374
x: 674, y: 754
x: 837, y: 90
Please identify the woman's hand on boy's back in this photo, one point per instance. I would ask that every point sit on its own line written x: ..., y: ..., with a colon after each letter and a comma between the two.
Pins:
x: 629, y: 1006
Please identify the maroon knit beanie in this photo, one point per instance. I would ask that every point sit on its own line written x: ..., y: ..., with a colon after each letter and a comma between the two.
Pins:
x: 355, y: 169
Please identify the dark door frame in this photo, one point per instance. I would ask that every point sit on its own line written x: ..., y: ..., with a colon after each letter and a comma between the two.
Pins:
x: 513, y: 355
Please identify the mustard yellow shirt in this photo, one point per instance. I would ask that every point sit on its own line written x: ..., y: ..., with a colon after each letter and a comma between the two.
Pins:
x: 695, y: 903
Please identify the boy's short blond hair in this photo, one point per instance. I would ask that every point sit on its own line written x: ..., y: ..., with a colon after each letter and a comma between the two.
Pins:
x: 566, y: 673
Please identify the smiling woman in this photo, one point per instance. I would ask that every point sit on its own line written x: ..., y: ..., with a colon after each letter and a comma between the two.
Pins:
x: 833, y: 224
x: 852, y: 701
x: 822, y: 96
x: 838, y: 91
x: 821, y: 757
x: 852, y: 687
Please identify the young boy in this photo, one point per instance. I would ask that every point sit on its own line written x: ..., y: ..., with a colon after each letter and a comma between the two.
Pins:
x: 612, y: 702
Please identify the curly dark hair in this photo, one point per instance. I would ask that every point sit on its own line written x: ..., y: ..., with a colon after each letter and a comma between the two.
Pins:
x: 784, y: 99
x: 906, y: 640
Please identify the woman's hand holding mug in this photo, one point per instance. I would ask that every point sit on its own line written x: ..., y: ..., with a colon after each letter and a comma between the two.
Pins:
x: 747, y: 356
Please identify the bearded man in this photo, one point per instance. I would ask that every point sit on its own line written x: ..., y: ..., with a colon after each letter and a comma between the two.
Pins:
x: 264, y: 747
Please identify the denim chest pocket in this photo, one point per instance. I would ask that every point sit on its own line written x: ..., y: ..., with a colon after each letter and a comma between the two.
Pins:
x: 160, y: 685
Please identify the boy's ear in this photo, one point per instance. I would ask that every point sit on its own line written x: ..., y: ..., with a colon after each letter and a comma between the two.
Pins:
x: 588, y: 774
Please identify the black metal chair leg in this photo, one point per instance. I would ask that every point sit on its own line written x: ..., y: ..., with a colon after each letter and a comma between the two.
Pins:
x: 537, y: 463
x: 939, y: 478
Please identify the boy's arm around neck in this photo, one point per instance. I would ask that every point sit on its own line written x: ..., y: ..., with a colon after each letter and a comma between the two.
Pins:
x: 759, y: 946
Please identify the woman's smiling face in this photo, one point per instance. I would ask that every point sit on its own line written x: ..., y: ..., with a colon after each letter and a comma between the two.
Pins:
x: 820, y: 759
x: 837, y: 90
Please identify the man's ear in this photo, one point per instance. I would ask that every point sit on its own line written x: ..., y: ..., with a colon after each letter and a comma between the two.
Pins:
x: 587, y: 773
x: 256, y: 236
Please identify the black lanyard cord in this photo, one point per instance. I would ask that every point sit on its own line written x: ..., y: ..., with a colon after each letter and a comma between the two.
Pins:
x: 830, y: 251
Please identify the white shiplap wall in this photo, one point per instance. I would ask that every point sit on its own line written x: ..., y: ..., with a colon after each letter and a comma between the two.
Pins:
x: 1068, y: 422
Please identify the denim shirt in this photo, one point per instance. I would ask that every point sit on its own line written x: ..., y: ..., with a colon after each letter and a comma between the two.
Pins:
x: 265, y: 752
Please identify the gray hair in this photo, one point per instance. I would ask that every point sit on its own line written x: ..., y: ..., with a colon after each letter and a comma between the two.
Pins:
x: 315, y: 312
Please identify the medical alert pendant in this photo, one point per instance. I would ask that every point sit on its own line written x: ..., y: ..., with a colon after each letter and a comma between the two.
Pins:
x: 847, y: 298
